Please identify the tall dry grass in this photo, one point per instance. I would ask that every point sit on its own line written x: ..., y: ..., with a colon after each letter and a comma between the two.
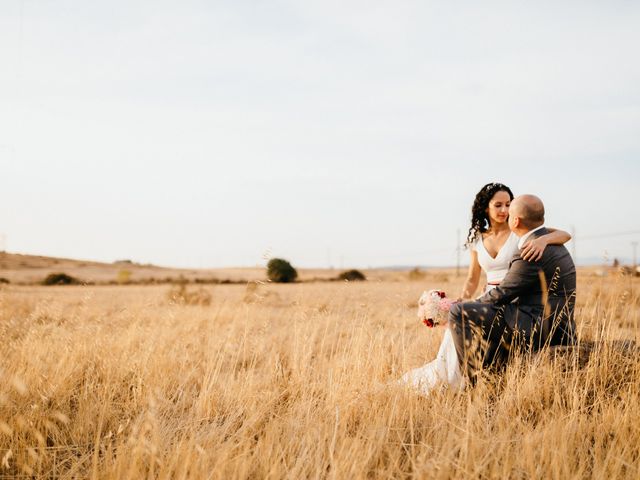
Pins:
x: 296, y: 381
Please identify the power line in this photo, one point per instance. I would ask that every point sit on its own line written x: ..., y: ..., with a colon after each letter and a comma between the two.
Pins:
x: 610, y: 235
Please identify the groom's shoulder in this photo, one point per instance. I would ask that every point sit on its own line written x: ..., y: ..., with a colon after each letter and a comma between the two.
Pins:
x: 558, y: 254
x: 556, y: 251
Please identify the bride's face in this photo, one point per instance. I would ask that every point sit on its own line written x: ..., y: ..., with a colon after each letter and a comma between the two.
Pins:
x: 498, y: 210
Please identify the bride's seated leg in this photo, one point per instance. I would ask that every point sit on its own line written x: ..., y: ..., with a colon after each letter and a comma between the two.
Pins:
x: 443, y: 370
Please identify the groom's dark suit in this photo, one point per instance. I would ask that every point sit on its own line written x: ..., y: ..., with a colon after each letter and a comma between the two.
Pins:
x: 532, y: 307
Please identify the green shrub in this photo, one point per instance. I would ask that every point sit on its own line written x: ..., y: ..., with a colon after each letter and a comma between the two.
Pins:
x: 281, y: 271
x: 352, y: 276
x: 123, y: 262
x: 60, y: 279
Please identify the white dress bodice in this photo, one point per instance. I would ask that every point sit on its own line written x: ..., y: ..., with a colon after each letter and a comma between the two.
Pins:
x: 496, y: 268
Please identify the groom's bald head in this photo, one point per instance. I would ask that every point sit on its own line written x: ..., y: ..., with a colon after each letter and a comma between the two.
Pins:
x: 529, y: 209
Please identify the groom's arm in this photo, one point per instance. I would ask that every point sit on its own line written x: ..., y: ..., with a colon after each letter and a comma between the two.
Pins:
x: 521, y: 278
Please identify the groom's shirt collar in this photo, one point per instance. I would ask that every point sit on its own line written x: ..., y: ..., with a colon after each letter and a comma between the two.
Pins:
x: 524, y: 238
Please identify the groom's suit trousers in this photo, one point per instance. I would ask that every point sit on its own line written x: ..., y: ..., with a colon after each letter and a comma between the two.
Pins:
x: 481, y: 336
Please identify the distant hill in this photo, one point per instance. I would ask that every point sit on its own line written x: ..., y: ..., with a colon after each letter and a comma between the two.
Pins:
x: 32, y: 269
x: 28, y: 269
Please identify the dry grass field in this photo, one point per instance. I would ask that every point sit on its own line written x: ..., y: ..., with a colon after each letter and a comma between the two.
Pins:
x: 296, y: 381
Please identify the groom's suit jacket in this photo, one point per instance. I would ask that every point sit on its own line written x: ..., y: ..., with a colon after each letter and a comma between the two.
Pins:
x: 538, y: 298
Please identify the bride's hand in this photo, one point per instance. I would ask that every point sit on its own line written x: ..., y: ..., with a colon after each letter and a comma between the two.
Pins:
x: 533, y: 249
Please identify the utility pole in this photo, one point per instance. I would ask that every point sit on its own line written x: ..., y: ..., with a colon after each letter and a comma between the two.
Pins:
x: 458, y: 248
x: 635, y: 258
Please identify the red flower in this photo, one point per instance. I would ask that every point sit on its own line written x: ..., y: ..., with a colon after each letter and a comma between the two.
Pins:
x: 428, y: 322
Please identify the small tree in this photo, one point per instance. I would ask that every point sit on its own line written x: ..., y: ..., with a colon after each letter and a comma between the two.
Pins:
x: 281, y: 271
x: 60, y: 279
x: 352, y: 276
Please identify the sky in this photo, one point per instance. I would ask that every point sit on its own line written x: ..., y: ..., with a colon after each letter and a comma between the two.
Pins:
x: 329, y: 133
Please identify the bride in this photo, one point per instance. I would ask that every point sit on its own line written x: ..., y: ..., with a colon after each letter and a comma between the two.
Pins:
x: 492, y: 246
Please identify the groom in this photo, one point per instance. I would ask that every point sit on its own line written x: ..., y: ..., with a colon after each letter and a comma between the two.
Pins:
x: 531, y: 308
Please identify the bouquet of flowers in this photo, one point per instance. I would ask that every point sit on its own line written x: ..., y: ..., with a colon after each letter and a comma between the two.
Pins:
x: 433, y: 308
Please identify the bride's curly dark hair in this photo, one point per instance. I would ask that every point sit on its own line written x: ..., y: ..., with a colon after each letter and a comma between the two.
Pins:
x: 479, y: 218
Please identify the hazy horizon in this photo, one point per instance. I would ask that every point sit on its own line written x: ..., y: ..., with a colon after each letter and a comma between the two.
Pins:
x: 215, y: 134
x: 605, y: 260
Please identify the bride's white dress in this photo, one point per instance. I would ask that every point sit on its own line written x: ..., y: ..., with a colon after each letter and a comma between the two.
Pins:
x: 445, y: 369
